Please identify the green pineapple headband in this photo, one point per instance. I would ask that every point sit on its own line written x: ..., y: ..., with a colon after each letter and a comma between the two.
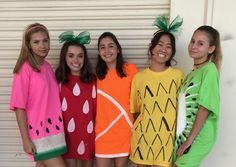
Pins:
x: 162, y: 23
x: 81, y: 39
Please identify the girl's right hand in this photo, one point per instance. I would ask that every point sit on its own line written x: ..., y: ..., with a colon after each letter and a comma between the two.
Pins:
x: 29, y: 147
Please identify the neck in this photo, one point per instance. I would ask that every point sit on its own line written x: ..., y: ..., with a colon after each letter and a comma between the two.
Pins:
x: 198, y: 64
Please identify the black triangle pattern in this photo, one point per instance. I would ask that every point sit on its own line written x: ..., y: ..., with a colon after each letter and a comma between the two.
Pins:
x: 148, y: 93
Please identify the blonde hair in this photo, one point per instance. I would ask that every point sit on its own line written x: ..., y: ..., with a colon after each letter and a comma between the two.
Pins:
x: 25, y: 52
x: 214, y: 40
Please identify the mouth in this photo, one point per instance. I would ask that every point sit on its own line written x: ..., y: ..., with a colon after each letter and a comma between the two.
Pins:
x: 161, y: 55
x: 75, y: 65
x: 108, y: 56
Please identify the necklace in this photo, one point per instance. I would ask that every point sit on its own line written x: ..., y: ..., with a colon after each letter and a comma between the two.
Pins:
x: 200, y: 63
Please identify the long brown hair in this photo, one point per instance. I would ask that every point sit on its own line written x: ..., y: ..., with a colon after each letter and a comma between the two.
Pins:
x: 214, y: 40
x: 25, y: 52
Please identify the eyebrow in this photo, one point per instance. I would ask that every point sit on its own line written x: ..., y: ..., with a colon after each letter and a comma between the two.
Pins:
x: 168, y: 43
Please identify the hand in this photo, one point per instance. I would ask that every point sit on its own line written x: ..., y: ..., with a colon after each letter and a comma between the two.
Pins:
x: 29, y: 147
x: 184, y: 147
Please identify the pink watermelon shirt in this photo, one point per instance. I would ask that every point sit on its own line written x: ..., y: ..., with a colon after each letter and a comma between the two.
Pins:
x: 38, y: 94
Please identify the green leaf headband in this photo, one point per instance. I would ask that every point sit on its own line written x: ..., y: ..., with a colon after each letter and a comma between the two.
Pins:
x: 162, y: 23
x: 82, y: 38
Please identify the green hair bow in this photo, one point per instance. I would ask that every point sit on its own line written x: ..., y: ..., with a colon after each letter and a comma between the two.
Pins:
x: 162, y: 23
x: 82, y: 38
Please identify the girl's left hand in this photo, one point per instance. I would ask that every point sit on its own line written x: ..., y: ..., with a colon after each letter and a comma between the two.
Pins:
x: 184, y: 147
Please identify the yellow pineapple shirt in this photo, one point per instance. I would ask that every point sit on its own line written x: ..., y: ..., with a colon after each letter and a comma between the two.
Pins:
x: 154, y: 97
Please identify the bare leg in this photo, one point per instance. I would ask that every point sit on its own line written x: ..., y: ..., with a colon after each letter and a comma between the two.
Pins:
x: 139, y: 165
x: 55, y: 162
x: 71, y: 162
x: 103, y: 162
x: 121, y: 162
x: 87, y: 163
x: 39, y: 164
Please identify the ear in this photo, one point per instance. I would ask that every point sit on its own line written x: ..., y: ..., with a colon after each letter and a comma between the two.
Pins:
x: 211, y: 49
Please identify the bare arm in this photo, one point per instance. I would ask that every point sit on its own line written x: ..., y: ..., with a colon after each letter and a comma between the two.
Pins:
x: 27, y: 143
x: 198, y: 124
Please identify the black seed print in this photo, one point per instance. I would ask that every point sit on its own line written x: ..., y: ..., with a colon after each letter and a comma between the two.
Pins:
x: 47, y: 130
x: 187, y: 95
x: 191, y: 84
x: 37, y: 132
x: 49, y: 121
x: 57, y: 127
x: 41, y: 123
x: 194, y: 99
x: 30, y: 127
x: 60, y: 119
x: 189, y: 106
x: 196, y: 107
x: 184, y: 135
x: 189, y: 116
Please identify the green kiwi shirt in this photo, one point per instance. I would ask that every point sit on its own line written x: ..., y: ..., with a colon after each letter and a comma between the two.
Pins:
x: 200, y: 88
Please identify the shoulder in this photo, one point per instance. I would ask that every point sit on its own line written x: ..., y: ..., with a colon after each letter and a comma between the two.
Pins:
x: 142, y: 74
x: 130, y: 68
x: 177, y: 72
x: 26, y: 68
x: 47, y: 64
x: 210, y: 69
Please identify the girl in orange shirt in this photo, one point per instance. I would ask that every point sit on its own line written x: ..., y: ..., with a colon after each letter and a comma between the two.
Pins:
x: 113, y: 120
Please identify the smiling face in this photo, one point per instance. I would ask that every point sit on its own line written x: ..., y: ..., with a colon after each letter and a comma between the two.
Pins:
x: 162, y: 52
x: 108, y: 51
x: 39, y: 44
x: 199, y: 47
x: 75, y: 59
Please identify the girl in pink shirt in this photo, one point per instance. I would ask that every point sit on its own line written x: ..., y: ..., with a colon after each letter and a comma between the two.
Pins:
x: 35, y: 100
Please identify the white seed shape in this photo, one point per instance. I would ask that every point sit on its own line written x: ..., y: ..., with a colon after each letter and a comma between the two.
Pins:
x: 90, y: 127
x: 81, y: 148
x: 64, y: 104
x: 86, y: 107
x: 76, y: 90
x: 94, y: 92
x: 71, y: 125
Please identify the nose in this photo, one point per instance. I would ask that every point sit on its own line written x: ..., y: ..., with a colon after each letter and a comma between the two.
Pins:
x: 42, y: 44
x: 107, y: 50
x: 164, y: 49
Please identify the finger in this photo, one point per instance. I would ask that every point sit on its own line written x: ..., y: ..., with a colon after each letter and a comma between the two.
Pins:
x: 34, y: 150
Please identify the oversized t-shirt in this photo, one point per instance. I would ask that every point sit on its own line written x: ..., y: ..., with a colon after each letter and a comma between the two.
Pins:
x: 154, y: 97
x: 37, y: 93
x: 114, y: 120
x: 79, y: 110
x: 200, y: 88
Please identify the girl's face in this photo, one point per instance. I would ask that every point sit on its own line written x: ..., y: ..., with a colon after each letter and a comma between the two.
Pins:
x: 108, y: 51
x: 199, y: 47
x: 75, y: 59
x: 162, y: 52
x: 39, y: 44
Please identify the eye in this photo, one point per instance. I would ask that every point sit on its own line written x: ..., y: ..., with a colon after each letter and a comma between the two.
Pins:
x: 101, y: 47
x: 159, y: 44
x: 201, y: 43
x: 45, y: 40
x: 36, y: 42
x: 168, y: 47
x: 70, y: 55
x: 192, y: 41
x: 81, y: 55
